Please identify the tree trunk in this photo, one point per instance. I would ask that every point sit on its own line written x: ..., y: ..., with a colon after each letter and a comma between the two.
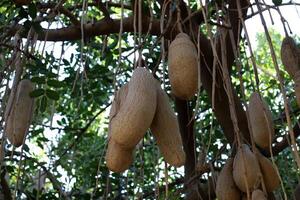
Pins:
x: 188, y: 138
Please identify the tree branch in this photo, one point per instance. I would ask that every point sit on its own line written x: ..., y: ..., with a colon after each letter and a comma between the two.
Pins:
x: 5, y: 187
x: 101, y: 27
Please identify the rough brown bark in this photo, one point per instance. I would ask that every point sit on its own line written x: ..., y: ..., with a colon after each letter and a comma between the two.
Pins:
x: 187, y: 134
x: 5, y: 187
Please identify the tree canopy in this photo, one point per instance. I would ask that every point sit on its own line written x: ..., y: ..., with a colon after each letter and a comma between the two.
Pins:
x: 79, y: 54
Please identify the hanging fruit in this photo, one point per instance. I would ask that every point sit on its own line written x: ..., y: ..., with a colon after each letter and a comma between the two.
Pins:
x: 18, y: 122
x: 166, y: 131
x: 118, y: 158
x: 261, y: 121
x: 258, y: 195
x: 183, y: 67
x: 270, y: 176
x: 130, y: 124
x: 290, y: 56
x: 226, y: 188
x: 246, y: 170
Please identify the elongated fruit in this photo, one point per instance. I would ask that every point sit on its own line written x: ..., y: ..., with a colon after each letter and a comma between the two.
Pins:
x: 226, y: 188
x: 261, y: 121
x: 19, y: 120
x: 136, y: 114
x: 118, y: 158
x: 246, y: 170
x: 270, y: 176
x: 166, y: 131
x: 258, y: 195
x: 183, y: 67
x: 290, y: 56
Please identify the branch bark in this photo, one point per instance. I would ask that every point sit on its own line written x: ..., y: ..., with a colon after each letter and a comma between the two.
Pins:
x: 5, y: 187
x: 91, y: 29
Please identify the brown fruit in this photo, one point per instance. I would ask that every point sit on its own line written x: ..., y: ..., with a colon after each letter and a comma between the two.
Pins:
x: 290, y: 56
x: 226, y: 188
x: 20, y: 118
x: 270, y: 176
x: 246, y: 170
x: 118, y: 158
x: 117, y: 103
x: 183, y: 67
x: 166, y: 131
x: 130, y: 124
x: 258, y: 195
x: 261, y: 121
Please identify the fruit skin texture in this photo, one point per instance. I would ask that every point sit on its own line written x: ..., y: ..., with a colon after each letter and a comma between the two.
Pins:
x: 261, y: 121
x: 258, y: 195
x: 136, y: 114
x: 183, y: 67
x: 226, y: 188
x: 245, y: 168
x: 21, y: 114
x: 165, y: 129
x: 269, y: 174
x: 118, y: 158
x: 117, y: 104
x: 290, y: 56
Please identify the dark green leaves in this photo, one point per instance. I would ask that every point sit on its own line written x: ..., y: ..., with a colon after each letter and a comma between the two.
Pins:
x: 54, y: 83
x: 277, y: 2
x: 32, y: 10
x: 51, y: 94
x: 23, y: 13
x: 37, y: 93
x: 39, y: 80
x: 43, y: 104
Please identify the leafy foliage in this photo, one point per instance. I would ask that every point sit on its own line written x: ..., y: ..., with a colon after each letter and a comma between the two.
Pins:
x: 75, y: 84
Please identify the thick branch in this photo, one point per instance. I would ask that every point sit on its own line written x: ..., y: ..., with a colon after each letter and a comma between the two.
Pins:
x: 102, y: 27
x: 79, y: 6
x: 280, y: 146
x: 5, y: 187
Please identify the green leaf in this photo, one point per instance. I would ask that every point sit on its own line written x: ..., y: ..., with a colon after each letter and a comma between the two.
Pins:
x: 23, y: 13
x: 54, y: 83
x: 66, y: 62
x: 51, y: 94
x: 39, y: 63
x: 37, y: 27
x: 32, y: 10
x: 37, y: 93
x: 39, y: 80
x: 27, y: 24
x: 51, y: 75
x: 43, y: 104
x: 277, y: 2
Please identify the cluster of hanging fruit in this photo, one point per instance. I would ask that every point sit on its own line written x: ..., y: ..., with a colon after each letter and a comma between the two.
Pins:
x: 19, y: 112
x: 249, y: 171
x: 141, y: 104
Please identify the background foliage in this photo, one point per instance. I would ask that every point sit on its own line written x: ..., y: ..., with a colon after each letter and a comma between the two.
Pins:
x: 75, y: 84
